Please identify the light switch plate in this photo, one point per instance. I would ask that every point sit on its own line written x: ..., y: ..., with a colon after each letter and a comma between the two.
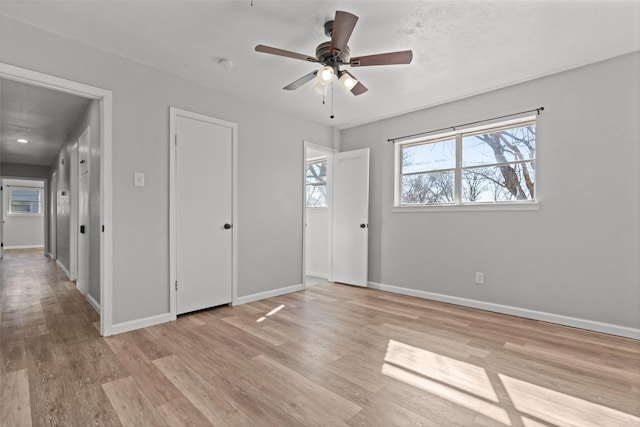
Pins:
x: 138, y: 179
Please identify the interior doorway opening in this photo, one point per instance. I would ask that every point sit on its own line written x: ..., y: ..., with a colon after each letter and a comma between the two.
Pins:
x: 102, y: 260
x: 23, y: 207
x: 316, y: 214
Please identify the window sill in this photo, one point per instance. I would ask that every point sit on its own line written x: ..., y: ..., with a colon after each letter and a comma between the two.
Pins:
x: 514, y: 206
x: 23, y: 214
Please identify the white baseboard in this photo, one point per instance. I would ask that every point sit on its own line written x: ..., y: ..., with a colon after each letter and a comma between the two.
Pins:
x: 64, y: 269
x: 575, y: 322
x: 25, y: 247
x: 131, y: 325
x: 93, y: 302
x: 316, y: 274
x: 269, y: 294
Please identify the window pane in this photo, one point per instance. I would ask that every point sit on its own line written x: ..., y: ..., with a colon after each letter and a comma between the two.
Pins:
x: 424, y: 188
x: 25, y: 195
x: 509, y: 182
x: 502, y: 146
x: 26, y: 201
x: 316, y: 184
x: 429, y: 157
x: 316, y: 172
x: 316, y: 196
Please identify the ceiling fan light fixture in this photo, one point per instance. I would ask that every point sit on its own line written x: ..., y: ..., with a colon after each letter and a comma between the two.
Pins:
x: 319, y: 88
x: 325, y: 75
x: 347, y: 81
x: 22, y: 141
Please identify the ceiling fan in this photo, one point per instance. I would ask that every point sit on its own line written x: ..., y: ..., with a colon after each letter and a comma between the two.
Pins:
x: 334, y: 54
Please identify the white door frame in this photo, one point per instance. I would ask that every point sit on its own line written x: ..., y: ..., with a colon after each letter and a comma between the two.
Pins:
x: 105, y: 97
x: 73, y: 217
x: 1, y: 219
x: 328, y: 151
x: 174, y: 113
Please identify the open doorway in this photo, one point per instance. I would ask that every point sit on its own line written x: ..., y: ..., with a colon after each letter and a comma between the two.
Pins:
x: 317, y: 214
x: 99, y: 291
x: 23, y: 214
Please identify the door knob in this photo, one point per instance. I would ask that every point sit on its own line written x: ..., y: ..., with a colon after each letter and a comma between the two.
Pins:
x: 227, y: 226
x: 82, y: 229
x: 363, y: 225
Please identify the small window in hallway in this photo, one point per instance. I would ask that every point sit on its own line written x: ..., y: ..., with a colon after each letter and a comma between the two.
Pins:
x: 25, y: 201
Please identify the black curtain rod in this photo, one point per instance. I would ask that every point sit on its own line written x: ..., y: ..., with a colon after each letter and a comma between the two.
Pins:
x: 537, y: 110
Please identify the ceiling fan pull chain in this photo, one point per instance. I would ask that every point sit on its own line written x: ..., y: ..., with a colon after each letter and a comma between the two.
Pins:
x: 332, y: 96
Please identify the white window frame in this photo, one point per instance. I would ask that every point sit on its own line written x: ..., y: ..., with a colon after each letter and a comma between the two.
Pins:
x: 40, y: 191
x: 458, y: 204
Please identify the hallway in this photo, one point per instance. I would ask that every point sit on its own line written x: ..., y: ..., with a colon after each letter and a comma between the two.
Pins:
x: 49, y: 335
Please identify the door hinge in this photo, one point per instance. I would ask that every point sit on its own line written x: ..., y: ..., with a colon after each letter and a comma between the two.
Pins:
x: 175, y: 139
x: 103, y: 228
x: 176, y: 285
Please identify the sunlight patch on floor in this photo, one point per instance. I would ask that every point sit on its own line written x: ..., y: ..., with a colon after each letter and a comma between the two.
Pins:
x: 459, y: 382
x: 469, y: 386
x: 271, y: 313
x: 561, y: 409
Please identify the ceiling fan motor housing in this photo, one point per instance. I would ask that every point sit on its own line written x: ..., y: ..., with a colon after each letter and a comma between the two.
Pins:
x: 323, y: 54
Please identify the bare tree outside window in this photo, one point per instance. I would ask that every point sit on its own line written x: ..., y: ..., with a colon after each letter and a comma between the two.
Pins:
x: 316, y: 184
x: 494, y: 165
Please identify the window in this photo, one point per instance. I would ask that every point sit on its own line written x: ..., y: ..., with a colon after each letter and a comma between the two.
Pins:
x: 316, y: 184
x: 25, y: 201
x: 492, y: 164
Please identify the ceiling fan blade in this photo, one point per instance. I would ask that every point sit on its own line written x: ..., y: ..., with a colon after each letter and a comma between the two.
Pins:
x: 281, y: 52
x: 343, y: 25
x: 302, y: 80
x: 359, y: 89
x: 391, y: 58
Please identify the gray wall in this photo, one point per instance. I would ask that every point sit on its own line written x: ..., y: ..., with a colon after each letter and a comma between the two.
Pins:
x: 62, y: 166
x: 578, y: 255
x: 89, y: 117
x: 24, y: 171
x: 21, y: 230
x: 269, y: 145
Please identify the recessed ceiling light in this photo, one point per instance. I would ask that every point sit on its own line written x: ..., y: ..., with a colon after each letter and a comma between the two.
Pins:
x: 22, y: 141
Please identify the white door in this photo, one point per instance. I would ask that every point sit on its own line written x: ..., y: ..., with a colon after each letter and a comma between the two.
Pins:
x: 53, y: 216
x: 82, y: 282
x: 350, y: 229
x: 203, y: 214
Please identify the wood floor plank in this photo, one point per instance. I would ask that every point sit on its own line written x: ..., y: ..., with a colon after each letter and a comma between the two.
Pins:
x: 300, y: 397
x: 155, y: 386
x: 182, y: 413
x: 15, y: 406
x: 212, y: 403
x: 131, y: 405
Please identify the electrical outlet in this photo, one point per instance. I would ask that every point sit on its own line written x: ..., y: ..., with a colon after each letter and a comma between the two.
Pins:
x: 479, y: 278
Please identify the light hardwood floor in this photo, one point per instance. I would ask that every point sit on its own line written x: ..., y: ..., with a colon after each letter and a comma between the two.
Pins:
x: 332, y: 355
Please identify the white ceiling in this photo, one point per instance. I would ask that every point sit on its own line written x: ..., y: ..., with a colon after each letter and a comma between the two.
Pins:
x: 42, y: 116
x: 461, y: 48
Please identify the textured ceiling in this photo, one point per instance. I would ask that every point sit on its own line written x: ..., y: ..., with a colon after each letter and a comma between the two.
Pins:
x: 42, y: 116
x: 461, y: 48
